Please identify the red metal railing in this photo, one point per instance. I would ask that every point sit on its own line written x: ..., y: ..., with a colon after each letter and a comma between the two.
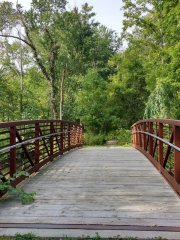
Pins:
x: 28, y: 145
x: 159, y: 140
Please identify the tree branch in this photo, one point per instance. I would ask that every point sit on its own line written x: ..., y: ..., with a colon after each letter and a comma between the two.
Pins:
x: 52, y: 54
x: 38, y: 60
x: 2, y: 35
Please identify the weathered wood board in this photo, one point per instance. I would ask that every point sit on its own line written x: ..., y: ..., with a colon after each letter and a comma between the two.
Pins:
x: 97, y: 185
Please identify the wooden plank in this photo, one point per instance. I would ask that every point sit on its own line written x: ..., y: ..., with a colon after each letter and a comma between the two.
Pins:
x: 109, y: 221
x: 123, y: 207
x: 92, y: 214
x: 114, y: 186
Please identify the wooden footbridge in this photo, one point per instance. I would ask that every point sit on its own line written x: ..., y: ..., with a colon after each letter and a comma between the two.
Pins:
x: 109, y: 190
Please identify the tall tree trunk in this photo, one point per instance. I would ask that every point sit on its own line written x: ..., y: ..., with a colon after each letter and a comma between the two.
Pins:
x: 61, y: 95
x: 53, y: 101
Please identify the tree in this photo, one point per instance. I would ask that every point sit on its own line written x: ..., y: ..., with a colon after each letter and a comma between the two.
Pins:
x: 127, y: 87
x: 91, y: 102
x: 89, y: 46
x: 41, y: 36
x: 155, y: 24
x: 35, y: 90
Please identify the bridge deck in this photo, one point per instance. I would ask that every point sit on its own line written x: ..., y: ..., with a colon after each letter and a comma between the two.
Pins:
x: 109, y: 186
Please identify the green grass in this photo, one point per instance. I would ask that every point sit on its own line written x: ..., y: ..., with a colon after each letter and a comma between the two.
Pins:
x: 31, y: 236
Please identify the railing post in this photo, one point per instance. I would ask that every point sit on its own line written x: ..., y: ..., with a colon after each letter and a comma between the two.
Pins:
x: 36, y: 143
x: 136, y: 136
x: 51, y: 139
x: 12, y: 151
x: 140, y: 142
x: 62, y: 129
x: 81, y: 135
x: 160, y: 144
x: 74, y: 135
x: 132, y: 129
x: 176, y: 155
x: 69, y: 135
x: 78, y: 135
x: 144, y: 135
x: 151, y: 138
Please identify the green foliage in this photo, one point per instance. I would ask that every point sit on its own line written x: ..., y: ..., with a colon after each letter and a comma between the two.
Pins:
x: 19, y: 193
x: 92, y: 140
x: 127, y: 91
x: 31, y: 236
x: 154, y: 25
x: 27, y: 236
x: 92, y: 102
x: 106, y: 88
x: 123, y: 137
x: 164, y: 101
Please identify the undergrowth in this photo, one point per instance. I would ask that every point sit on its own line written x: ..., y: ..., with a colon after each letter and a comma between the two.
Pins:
x: 123, y: 137
x: 18, y: 193
x: 31, y: 236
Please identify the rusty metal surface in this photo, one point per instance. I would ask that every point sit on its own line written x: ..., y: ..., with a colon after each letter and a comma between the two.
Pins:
x: 161, y: 144
x: 166, y: 121
x: 88, y: 227
x: 27, y: 122
x: 28, y: 145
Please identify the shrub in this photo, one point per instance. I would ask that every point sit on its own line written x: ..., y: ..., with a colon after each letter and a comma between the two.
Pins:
x: 91, y: 140
x: 123, y: 136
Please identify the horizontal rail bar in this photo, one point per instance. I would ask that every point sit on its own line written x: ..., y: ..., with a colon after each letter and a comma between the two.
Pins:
x: 164, y: 141
x: 160, y: 143
x: 27, y: 122
x: 166, y: 121
x: 89, y: 227
x: 33, y: 139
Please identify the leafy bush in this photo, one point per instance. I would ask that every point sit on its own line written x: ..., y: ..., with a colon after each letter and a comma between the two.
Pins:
x: 27, y: 236
x: 123, y: 136
x: 91, y: 140
x: 18, y: 192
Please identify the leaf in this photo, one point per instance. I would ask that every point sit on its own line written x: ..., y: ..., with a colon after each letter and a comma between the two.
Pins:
x: 153, y: 225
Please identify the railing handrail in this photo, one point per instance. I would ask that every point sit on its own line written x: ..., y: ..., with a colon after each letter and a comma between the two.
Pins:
x: 34, y: 139
x: 31, y: 144
x: 159, y: 120
x: 26, y: 122
x: 161, y: 139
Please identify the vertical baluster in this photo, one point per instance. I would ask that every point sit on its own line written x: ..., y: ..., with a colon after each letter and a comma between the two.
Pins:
x: 36, y: 143
x: 81, y: 135
x: 78, y: 135
x: 176, y: 155
x: 132, y: 129
x: 74, y: 135
x: 137, y: 136
x: 12, y: 151
x: 62, y: 129
x: 51, y: 139
x: 151, y: 138
x: 140, y: 139
x: 160, y: 144
x: 69, y: 135
x: 144, y: 135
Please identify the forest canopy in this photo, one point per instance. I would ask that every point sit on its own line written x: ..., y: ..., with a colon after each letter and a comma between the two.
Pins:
x: 109, y: 81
